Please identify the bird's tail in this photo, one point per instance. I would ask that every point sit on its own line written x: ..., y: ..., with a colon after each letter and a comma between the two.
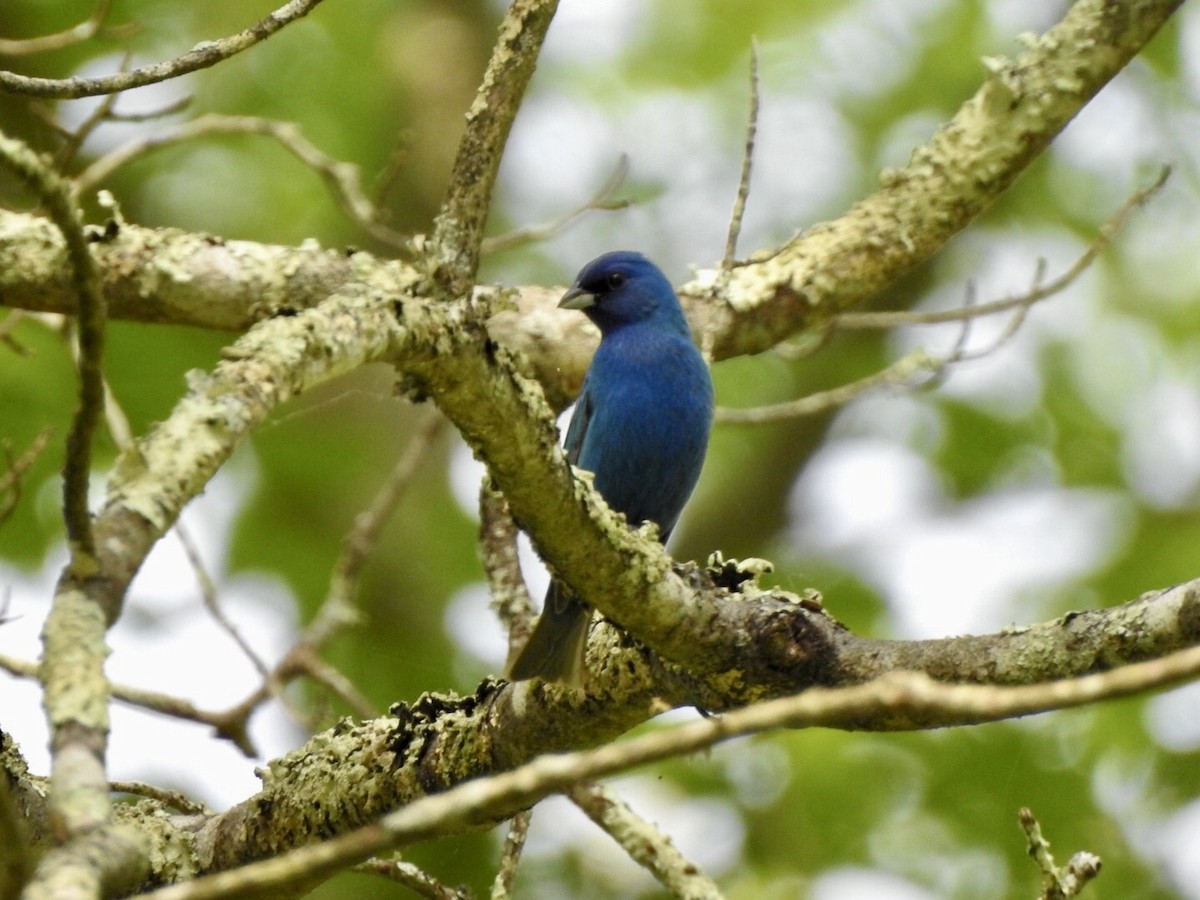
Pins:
x: 554, y: 651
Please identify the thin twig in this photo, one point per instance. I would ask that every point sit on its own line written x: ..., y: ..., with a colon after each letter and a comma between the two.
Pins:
x: 167, y: 109
x: 76, y: 34
x: 201, y: 56
x: 122, y: 435
x: 360, y: 540
x: 338, y: 611
x: 601, y: 200
x: 176, y: 707
x: 10, y: 479
x: 1057, y: 883
x: 904, y: 369
x: 389, y: 176
x: 341, y: 178
x: 1103, y: 238
x: 645, y: 843
x: 8, y: 325
x: 502, y: 566
x: 208, y: 594
x: 304, y: 660
x: 514, y: 843
x: 55, y: 195
x: 75, y: 139
x: 415, y: 879
x: 172, y: 799
x: 743, y: 191
x: 900, y: 372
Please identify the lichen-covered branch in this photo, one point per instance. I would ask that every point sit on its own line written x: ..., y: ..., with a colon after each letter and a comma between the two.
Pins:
x: 172, y: 276
x: 76, y: 690
x: 971, y: 160
x: 376, y: 765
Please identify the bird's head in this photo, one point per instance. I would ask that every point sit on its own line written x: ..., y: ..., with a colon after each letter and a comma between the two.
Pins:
x: 621, y: 288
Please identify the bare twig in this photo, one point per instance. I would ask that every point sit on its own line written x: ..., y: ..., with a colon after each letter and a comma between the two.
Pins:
x: 514, y: 843
x: 458, y: 229
x: 122, y: 435
x: 75, y: 139
x: 1103, y: 238
x: 176, y: 707
x: 208, y: 592
x: 55, y: 195
x: 1057, y: 883
x: 10, y: 480
x: 646, y: 845
x: 389, y: 176
x: 904, y: 369
x: 7, y: 326
x: 77, y: 34
x: 359, y: 542
x: 341, y: 178
x: 498, y: 552
x: 167, y: 109
x: 338, y: 610
x: 601, y: 200
x: 470, y: 802
x: 900, y: 372
x: 743, y: 191
x: 203, y: 55
x: 303, y: 659
x: 415, y: 879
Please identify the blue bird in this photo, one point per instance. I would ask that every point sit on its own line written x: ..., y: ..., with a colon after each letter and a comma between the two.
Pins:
x: 641, y: 426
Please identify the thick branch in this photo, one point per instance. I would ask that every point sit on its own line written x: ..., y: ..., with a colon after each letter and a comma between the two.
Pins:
x: 391, y: 764
x: 167, y: 275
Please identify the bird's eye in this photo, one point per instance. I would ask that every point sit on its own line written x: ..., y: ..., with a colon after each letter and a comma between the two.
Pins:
x: 616, y: 280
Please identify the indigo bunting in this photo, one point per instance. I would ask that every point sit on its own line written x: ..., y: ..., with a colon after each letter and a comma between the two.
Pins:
x: 641, y: 426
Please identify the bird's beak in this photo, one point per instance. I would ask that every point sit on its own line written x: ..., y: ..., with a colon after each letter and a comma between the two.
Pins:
x: 577, y: 298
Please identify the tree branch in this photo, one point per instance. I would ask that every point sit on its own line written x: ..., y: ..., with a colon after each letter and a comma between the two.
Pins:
x: 77, y: 34
x: 648, y: 846
x: 458, y: 228
x: 900, y: 696
x: 831, y: 267
x: 341, y: 178
x: 968, y: 163
x: 89, y: 306
x: 203, y: 55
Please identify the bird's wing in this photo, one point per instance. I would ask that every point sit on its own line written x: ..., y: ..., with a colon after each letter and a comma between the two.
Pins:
x: 580, y: 419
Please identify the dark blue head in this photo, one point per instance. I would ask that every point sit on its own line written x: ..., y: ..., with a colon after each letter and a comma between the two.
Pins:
x: 623, y: 287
